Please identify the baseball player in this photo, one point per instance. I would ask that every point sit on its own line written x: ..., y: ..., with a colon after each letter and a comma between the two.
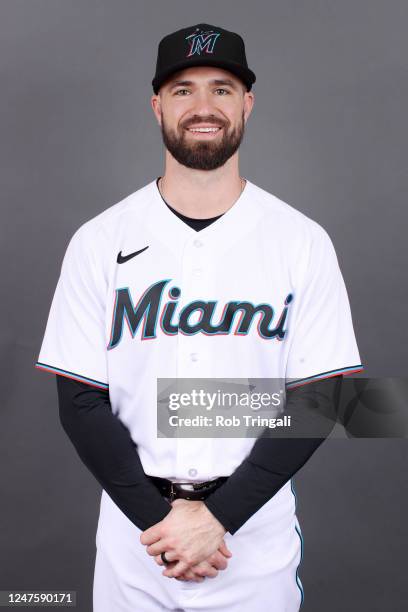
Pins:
x: 199, y: 274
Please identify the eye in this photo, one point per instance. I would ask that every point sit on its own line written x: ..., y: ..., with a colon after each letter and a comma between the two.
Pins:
x: 225, y: 91
x: 180, y: 92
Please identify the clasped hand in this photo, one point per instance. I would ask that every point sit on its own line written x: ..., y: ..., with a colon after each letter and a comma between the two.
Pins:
x: 193, y: 540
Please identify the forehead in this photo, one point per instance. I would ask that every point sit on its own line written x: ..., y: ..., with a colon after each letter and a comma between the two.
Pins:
x: 203, y: 74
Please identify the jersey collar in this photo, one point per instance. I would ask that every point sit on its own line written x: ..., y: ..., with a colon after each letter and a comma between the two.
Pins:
x: 226, y: 230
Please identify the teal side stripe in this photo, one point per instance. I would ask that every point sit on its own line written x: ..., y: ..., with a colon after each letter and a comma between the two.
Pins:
x: 298, y: 581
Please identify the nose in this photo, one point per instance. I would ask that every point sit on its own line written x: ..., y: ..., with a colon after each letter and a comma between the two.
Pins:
x: 203, y: 103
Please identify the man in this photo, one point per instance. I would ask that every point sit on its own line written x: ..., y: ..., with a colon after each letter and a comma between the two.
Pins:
x: 152, y: 288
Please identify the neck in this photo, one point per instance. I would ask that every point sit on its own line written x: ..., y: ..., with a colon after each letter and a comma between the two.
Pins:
x: 201, y: 194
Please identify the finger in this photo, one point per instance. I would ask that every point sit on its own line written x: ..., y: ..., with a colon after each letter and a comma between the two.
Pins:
x: 189, y: 576
x: 170, y: 557
x: 158, y: 547
x: 205, y: 569
x: 159, y: 561
x: 150, y: 536
x: 218, y: 561
x: 177, y: 570
x: 224, y: 550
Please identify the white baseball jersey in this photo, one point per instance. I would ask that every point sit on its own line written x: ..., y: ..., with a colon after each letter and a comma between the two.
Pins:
x: 141, y: 295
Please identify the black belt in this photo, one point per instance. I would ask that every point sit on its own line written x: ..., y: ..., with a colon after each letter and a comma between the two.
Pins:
x: 187, y: 490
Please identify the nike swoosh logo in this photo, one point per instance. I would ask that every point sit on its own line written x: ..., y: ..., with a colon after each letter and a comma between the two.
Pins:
x: 124, y: 258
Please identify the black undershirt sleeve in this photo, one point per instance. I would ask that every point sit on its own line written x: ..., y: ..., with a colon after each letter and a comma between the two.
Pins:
x: 273, y: 461
x: 105, y: 446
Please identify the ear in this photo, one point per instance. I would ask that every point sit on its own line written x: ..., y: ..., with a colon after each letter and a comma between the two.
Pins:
x: 249, y: 100
x: 156, y: 106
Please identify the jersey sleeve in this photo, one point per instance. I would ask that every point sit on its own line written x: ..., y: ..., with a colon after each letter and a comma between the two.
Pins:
x: 323, y: 342
x: 74, y: 341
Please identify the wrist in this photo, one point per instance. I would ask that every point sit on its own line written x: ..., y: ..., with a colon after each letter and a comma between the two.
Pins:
x: 217, y: 526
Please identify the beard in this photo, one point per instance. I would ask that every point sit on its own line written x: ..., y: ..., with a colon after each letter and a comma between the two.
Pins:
x: 204, y: 155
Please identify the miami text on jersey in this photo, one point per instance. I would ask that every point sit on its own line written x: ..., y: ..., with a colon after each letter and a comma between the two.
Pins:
x: 149, y: 312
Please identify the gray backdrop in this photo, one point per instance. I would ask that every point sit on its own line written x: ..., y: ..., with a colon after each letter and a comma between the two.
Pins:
x: 327, y: 135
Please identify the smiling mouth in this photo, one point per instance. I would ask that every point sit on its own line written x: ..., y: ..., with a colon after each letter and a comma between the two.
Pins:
x: 204, y: 130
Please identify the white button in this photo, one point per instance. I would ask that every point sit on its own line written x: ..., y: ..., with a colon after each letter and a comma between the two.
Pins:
x: 197, y: 271
x: 194, y: 356
x: 192, y: 472
x: 198, y: 243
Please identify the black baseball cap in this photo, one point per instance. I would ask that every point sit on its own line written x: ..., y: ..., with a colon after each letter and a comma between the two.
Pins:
x: 202, y: 45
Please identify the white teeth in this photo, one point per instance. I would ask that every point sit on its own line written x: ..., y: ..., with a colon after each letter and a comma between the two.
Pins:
x: 204, y: 129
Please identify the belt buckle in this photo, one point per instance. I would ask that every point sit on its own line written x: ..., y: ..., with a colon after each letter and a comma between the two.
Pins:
x: 172, y: 492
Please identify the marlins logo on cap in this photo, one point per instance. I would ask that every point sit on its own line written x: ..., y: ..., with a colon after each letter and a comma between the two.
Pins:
x: 200, y: 42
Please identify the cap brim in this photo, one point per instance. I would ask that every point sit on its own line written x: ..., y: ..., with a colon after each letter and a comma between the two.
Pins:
x: 244, y: 74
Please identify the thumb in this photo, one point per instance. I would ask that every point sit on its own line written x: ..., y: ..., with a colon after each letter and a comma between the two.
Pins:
x: 224, y: 549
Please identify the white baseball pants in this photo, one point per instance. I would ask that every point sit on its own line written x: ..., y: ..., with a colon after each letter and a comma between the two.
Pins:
x: 262, y: 574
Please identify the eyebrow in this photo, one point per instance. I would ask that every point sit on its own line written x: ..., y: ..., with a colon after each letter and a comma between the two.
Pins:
x: 186, y: 83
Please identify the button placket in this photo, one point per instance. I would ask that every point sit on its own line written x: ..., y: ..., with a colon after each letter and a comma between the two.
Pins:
x: 193, y: 287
